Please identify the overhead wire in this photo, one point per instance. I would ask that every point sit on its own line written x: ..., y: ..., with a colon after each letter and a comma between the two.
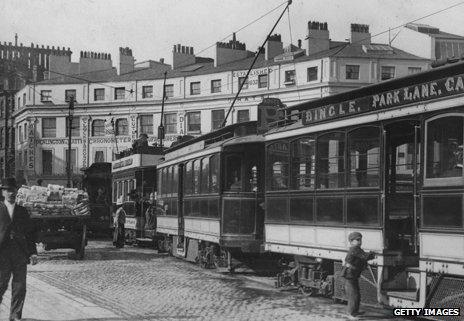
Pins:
x: 131, y: 91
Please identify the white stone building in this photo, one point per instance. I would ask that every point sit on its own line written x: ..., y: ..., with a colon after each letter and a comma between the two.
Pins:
x: 111, y: 112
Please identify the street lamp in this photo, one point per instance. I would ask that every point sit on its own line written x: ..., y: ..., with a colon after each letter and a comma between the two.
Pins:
x: 68, y: 158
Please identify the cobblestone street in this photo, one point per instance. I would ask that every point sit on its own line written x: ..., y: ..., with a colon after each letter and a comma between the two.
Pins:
x: 138, y: 284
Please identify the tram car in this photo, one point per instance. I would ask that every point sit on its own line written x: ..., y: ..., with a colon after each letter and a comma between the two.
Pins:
x: 97, y: 183
x: 134, y: 179
x: 211, y: 188
x: 385, y: 160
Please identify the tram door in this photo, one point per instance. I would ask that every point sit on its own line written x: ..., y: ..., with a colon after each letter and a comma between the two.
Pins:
x: 402, y: 160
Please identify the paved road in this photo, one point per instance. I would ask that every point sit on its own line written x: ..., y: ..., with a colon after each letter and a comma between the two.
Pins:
x: 138, y: 284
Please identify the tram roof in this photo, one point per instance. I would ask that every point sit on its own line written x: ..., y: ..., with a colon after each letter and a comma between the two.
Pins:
x: 360, y: 94
x: 220, y: 134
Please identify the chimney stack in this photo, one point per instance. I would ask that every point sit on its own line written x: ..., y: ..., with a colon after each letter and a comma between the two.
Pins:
x: 229, y: 51
x: 273, y: 47
x: 126, y: 60
x: 318, y: 37
x: 182, y: 56
x: 360, y: 34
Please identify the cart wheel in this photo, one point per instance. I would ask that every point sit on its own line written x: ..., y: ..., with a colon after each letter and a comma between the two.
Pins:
x: 80, y: 250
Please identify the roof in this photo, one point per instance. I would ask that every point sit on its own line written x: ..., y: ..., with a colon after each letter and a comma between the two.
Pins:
x: 432, y: 31
x: 338, y: 49
x: 93, y: 76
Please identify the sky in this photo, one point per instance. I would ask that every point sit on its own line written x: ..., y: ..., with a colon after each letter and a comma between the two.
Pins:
x: 151, y: 27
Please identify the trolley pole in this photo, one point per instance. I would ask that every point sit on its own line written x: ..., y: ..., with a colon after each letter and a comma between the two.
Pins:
x: 68, y: 156
x: 161, y: 126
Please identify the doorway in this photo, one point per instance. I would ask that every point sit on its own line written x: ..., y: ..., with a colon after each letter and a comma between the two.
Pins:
x: 402, y: 166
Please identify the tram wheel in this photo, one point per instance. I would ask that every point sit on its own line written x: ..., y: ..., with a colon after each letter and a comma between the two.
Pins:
x: 306, y: 290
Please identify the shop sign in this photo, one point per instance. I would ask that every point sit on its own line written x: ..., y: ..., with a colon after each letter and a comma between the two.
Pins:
x: 389, y: 99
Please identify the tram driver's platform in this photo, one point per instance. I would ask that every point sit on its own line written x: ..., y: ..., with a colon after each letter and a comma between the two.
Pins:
x: 46, y: 302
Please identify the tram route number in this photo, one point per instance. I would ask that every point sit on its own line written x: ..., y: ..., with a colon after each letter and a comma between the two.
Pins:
x: 427, y: 312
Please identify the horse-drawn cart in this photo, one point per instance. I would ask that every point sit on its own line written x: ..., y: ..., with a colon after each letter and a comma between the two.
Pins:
x: 60, y: 215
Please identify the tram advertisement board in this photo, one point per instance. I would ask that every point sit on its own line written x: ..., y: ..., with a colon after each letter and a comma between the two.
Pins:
x: 412, y: 94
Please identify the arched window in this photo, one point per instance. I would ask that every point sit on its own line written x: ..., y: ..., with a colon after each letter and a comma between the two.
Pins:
x: 122, y: 127
x: 277, y: 171
x: 364, y: 157
x: 330, y: 160
x: 98, y: 127
x: 444, y: 150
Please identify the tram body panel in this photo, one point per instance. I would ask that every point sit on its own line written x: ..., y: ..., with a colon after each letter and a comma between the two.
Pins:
x: 167, y: 225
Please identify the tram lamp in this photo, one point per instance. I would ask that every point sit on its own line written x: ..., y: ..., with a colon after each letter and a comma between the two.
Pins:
x: 68, y: 156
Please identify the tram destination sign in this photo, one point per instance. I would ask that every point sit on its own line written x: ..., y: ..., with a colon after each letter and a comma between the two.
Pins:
x: 389, y: 99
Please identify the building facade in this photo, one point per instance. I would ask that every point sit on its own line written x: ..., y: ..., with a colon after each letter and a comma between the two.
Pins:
x: 19, y: 65
x: 110, y: 113
x: 429, y: 42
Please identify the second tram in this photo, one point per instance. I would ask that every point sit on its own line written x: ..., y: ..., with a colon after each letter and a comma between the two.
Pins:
x: 134, y: 179
x: 211, y: 189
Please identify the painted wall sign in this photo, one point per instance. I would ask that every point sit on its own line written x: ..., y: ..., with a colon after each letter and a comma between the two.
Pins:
x: 254, y: 72
x: 58, y: 141
x: 412, y: 94
x: 123, y: 163
x: 85, y: 141
x: 31, y: 145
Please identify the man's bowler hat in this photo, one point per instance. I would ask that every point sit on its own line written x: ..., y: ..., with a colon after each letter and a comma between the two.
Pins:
x: 9, y: 183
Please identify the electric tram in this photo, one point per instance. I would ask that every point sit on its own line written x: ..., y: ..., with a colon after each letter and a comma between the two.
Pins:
x: 134, y: 179
x: 212, y: 193
x: 385, y: 160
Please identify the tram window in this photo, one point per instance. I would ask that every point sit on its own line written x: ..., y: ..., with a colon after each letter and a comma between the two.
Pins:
x: 204, y: 188
x: 188, y: 178
x: 445, y: 147
x: 187, y: 207
x: 303, y: 164
x: 234, y: 173
x: 203, y: 208
x: 126, y: 189
x: 278, y: 155
x: 196, y: 176
x: 115, y: 192
x: 362, y: 211
x: 330, y: 160
x: 175, y: 175
x: 364, y: 157
x: 442, y: 211
x: 173, y: 207
x: 277, y: 209
x: 195, y: 207
x: 214, y: 174
x: 329, y: 210
x: 213, y: 208
x: 251, y: 161
x: 301, y: 209
x: 160, y: 182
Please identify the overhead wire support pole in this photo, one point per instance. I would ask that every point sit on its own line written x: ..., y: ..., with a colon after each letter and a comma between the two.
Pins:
x: 68, y: 158
x: 289, y: 2
x: 161, y: 126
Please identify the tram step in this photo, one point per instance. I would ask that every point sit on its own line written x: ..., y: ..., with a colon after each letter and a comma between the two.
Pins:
x: 408, y: 294
x: 143, y: 240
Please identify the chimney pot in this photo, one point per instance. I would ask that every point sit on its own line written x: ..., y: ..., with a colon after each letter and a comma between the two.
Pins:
x: 299, y: 43
x: 162, y: 60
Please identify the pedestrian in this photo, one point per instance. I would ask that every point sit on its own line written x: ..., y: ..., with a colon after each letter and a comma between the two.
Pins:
x: 39, y: 182
x: 17, y: 247
x: 355, y: 262
x: 119, y: 221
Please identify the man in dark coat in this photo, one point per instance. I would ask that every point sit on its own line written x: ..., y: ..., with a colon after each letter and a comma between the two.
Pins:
x: 17, y: 247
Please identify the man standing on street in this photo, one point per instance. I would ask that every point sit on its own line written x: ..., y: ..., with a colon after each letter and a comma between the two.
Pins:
x: 17, y: 247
